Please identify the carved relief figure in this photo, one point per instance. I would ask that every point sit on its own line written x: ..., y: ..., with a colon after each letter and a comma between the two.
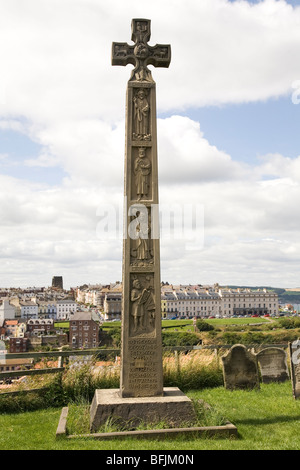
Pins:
x: 141, y: 251
x: 141, y: 31
x: 142, y: 307
x: 141, y: 116
x: 121, y: 51
x: 161, y: 52
x: 142, y: 170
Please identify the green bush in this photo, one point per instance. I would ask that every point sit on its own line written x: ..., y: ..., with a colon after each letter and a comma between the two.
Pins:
x: 179, y: 339
x: 115, y: 334
x: 30, y: 400
x: 229, y: 337
x: 253, y: 337
x: 202, y: 325
x: 287, y: 323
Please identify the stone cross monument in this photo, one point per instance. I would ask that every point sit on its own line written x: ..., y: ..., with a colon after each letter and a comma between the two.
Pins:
x: 141, y: 397
x: 141, y: 355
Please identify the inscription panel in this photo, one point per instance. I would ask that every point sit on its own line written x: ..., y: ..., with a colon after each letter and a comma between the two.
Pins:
x: 240, y: 368
x: 273, y: 365
x: 143, y: 366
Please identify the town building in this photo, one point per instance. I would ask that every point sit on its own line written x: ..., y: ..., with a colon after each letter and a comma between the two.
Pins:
x: 113, y: 306
x: 17, y: 344
x: 65, y: 309
x: 248, y: 302
x: 7, y: 365
x: 189, y: 302
x: 37, y: 326
x: 11, y: 327
x: 29, y: 309
x: 57, y: 282
x: 84, y: 331
x: 46, y: 309
x: 7, y: 310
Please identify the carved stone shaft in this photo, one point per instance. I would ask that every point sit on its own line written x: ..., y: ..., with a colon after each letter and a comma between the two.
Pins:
x: 141, y: 349
x: 141, y: 357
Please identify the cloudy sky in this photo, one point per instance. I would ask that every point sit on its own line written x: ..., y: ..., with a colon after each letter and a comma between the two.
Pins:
x: 228, y: 139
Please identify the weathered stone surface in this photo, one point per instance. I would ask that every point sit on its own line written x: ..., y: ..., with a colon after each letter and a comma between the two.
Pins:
x: 240, y: 368
x: 141, y: 351
x: 173, y: 408
x: 273, y: 365
x: 294, y: 349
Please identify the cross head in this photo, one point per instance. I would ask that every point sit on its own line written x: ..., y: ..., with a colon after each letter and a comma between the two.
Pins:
x: 141, y: 54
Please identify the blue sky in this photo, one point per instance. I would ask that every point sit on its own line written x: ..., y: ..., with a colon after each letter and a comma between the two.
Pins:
x: 17, y: 149
x: 228, y: 134
x: 246, y: 131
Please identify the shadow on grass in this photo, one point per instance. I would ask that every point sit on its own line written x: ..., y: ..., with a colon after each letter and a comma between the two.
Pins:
x: 270, y: 420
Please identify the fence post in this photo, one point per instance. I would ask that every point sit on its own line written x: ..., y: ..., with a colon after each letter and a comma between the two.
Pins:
x: 60, y: 361
x: 177, y: 361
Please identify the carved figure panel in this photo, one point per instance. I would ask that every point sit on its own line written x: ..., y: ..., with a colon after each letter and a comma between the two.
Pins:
x: 141, y: 248
x: 141, y: 115
x: 142, y: 169
x: 142, y: 305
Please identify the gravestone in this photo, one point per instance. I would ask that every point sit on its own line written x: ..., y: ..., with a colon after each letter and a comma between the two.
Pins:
x: 273, y: 365
x: 240, y: 369
x: 141, y: 393
x: 294, y: 349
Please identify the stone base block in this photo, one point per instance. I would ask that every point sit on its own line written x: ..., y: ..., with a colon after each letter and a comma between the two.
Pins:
x: 173, y: 408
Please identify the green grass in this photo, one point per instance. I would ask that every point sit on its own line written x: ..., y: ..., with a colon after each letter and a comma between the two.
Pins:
x: 183, y: 325
x: 236, y: 321
x: 62, y: 324
x: 78, y: 421
x: 267, y: 419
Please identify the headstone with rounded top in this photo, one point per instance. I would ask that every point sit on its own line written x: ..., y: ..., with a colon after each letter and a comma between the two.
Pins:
x: 240, y: 369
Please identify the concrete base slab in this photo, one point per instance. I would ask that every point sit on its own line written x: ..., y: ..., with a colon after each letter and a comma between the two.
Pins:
x: 226, y: 431
x: 173, y: 408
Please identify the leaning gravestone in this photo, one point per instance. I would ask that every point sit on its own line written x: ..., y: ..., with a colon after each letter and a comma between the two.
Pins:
x: 141, y: 394
x: 240, y: 368
x: 294, y: 349
x: 273, y: 365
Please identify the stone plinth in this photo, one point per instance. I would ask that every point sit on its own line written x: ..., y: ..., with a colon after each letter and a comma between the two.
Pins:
x: 173, y: 408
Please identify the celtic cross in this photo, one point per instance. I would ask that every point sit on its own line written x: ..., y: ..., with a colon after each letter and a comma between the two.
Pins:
x: 141, y: 54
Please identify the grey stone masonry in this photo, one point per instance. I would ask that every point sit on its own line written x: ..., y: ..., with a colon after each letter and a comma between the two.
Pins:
x: 141, y: 352
x: 174, y: 409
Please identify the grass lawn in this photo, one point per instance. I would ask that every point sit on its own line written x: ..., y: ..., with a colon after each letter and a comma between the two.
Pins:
x: 185, y: 324
x: 236, y: 321
x: 266, y: 419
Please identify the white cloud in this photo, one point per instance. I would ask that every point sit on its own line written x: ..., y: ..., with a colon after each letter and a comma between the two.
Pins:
x: 59, y: 88
x: 185, y: 155
x: 250, y: 224
x: 57, y: 54
x: 43, y: 160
